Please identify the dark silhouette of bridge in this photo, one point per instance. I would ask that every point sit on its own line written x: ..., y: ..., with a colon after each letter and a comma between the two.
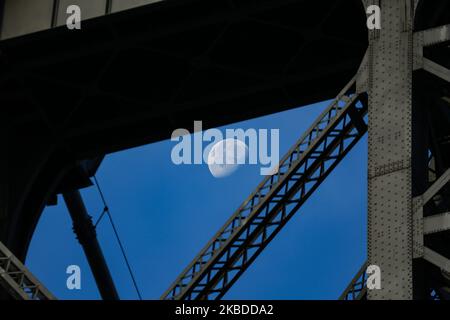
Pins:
x: 130, y: 78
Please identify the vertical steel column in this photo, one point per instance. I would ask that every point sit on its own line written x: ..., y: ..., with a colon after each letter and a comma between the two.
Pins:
x: 389, y: 187
x: 4, y: 172
x: 55, y: 13
x: 2, y: 12
x: 4, y: 182
x: 108, y: 8
x: 86, y: 235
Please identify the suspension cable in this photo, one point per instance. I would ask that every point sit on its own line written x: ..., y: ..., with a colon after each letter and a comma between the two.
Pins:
x: 107, y: 212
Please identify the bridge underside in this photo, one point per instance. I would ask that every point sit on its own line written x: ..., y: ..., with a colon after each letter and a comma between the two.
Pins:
x: 131, y: 78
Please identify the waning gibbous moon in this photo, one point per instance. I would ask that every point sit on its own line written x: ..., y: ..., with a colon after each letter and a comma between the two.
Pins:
x: 226, y: 156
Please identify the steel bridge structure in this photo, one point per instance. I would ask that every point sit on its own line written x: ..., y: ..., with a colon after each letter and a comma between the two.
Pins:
x: 137, y: 70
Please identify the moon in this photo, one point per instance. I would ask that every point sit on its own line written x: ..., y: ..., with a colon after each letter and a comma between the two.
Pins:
x: 226, y: 156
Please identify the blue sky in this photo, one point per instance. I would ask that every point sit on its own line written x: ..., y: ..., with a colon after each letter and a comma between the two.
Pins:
x: 166, y: 213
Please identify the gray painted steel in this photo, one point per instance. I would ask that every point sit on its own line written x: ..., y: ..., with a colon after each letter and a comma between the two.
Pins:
x: 390, y: 192
x: 27, y: 16
x: 436, y: 223
x: 386, y: 73
x: 264, y: 213
x: 16, y: 279
x: 89, y: 9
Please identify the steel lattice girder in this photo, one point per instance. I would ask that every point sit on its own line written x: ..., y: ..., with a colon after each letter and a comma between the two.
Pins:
x: 18, y: 281
x: 275, y: 201
x: 357, y: 289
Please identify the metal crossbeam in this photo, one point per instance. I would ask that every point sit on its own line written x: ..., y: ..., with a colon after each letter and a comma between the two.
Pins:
x: 436, y: 223
x: 275, y: 201
x: 436, y: 69
x: 18, y: 281
x: 437, y: 259
x: 357, y: 289
x: 435, y: 35
x: 436, y: 187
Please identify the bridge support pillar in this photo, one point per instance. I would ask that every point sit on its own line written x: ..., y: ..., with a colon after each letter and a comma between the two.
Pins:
x: 390, y: 226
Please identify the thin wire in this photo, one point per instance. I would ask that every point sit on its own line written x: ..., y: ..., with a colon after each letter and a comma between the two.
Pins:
x: 105, y: 209
x: 108, y: 213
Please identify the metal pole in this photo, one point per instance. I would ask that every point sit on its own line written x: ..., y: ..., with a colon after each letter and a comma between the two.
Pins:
x: 87, y: 236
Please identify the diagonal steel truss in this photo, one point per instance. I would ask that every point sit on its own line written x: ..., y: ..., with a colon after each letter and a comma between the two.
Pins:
x: 249, y: 230
x: 18, y: 281
x: 357, y: 289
